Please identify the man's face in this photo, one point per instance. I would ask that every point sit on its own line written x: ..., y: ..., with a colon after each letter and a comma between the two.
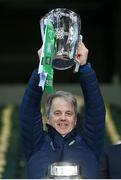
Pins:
x: 62, y: 116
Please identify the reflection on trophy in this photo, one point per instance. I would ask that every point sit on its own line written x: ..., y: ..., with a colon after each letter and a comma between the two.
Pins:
x: 63, y: 170
x: 67, y: 27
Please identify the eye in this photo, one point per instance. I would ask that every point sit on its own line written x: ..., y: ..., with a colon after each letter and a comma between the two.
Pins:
x: 69, y: 113
x: 57, y: 113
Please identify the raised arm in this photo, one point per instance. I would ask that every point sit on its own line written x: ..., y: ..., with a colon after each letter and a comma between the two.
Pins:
x: 94, y: 123
x: 30, y: 116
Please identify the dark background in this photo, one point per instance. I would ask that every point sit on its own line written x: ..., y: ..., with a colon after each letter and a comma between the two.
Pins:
x: 20, y: 37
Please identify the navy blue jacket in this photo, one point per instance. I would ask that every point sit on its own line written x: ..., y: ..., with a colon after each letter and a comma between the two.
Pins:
x: 110, y: 165
x: 42, y: 148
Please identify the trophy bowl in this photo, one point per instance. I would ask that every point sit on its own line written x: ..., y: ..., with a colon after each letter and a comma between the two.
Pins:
x: 67, y: 27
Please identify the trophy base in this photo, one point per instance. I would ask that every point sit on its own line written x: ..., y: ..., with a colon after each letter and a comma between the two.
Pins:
x: 62, y: 64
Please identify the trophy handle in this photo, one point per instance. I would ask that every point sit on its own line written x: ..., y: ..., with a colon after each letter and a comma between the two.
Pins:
x: 77, y: 64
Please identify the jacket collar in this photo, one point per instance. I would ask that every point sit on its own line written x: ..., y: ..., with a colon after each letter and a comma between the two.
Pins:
x: 53, y: 133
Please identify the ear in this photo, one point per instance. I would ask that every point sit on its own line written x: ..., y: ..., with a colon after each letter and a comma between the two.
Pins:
x: 75, y: 121
x: 47, y: 121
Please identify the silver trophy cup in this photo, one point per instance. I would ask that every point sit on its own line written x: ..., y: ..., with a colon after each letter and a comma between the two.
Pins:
x: 67, y: 27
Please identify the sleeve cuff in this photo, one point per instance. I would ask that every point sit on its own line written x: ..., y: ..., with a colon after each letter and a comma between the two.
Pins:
x: 86, y: 68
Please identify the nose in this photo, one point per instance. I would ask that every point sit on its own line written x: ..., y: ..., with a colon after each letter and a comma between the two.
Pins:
x: 63, y: 117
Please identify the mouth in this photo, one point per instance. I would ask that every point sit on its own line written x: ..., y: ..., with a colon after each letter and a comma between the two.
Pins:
x: 63, y: 125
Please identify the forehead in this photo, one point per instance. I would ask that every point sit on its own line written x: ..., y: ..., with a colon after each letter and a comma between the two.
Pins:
x: 60, y: 102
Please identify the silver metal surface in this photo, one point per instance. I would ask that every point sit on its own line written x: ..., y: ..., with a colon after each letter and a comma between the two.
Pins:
x: 64, y: 170
x: 67, y: 26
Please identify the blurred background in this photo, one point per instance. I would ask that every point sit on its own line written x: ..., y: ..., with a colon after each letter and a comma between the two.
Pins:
x: 20, y: 38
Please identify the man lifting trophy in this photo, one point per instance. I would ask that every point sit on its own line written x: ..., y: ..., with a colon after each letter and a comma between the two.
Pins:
x: 62, y: 150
